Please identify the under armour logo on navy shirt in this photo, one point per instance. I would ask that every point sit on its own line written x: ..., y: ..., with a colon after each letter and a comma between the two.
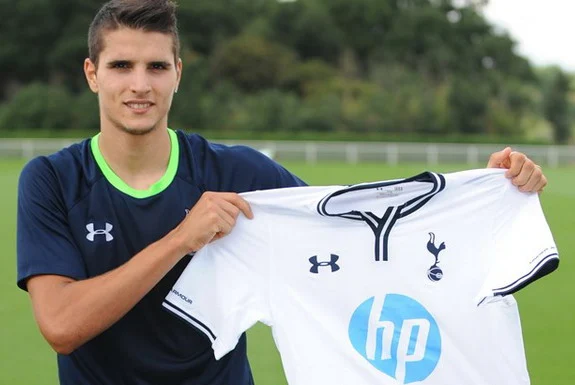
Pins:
x: 332, y: 263
x: 93, y: 232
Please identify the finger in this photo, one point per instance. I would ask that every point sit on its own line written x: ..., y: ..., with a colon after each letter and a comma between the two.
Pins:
x: 212, y: 223
x: 227, y: 217
x: 226, y: 224
x: 497, y: 159
x: 541, y: 184
x: 218, y: 236
x: 524, y: 175
x: 530, y: 185
x: 539, y: 180
x: 230, y: 209
x: 537, y: 187
x: 200, y: 228
x: 516, y: 162
x: 242, y: 205
x: 222, y: 229
x: 237, y: 201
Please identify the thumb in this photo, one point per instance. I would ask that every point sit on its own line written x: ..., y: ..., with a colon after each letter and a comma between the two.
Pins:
x: 500, y: 159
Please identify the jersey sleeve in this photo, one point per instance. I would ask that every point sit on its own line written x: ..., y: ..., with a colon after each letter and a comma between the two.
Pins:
x: 242, y: 169
x: 224, y: 289
x: 45, y: 244
x: 524, y: 248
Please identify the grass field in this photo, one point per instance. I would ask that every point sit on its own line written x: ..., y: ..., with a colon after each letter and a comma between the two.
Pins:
x: 547, y: 307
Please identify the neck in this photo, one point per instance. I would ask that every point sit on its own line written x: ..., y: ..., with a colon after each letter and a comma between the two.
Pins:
x: 139, y: 160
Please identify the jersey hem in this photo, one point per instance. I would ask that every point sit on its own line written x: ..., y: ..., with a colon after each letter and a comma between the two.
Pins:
x: 187, y: 317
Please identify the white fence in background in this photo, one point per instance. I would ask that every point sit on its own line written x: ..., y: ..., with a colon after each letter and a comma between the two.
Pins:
x: 353, y: 152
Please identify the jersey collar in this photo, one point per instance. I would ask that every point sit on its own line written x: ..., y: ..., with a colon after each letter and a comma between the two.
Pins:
x: 436, y: 182
x: 154, y: 189
x: 383, y: 224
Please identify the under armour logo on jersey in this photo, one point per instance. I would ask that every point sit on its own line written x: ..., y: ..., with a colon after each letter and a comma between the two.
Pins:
x: 316, y: 265
x: 434, y: 273
x: 93, y: 232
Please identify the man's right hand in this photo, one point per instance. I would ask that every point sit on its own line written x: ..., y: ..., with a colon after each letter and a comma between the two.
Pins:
x: 212, y: 217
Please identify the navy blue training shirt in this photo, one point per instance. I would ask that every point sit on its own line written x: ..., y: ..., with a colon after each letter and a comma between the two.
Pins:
x: 76, y: 218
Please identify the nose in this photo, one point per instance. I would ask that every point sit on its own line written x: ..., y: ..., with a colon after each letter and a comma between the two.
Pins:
x: 140, y: 82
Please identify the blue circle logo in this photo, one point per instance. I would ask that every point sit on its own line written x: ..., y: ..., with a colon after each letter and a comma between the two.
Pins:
x: 396, y: 335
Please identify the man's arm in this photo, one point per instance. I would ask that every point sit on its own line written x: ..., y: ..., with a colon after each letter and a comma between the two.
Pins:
x: 522, y: 171
x: 70, y: 313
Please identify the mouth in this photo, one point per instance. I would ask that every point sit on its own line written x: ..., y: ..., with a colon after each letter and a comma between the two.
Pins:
x: 139, y: 107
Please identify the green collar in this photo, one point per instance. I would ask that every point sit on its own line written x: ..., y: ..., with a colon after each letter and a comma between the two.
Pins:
x: 154, y: 189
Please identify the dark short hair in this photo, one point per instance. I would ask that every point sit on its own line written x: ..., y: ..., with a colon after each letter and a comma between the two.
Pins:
x: 147, y: 15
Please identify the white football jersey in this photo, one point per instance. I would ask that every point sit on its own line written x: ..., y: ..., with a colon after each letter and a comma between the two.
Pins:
x: 396, y: 282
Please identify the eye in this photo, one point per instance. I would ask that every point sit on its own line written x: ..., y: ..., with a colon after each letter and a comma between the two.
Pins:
x: 158, y: 66
x: 120, y: 65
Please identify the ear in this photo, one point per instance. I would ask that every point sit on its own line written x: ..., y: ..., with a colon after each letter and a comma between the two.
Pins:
x: 90, y: 72
x: 179, y: 66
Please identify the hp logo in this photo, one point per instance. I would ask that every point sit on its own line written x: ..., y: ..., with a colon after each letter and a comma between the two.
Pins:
x: 92, y: 232
x: 396, y: 335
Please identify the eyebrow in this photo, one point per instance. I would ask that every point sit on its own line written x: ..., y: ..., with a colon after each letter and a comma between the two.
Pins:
x: 155, y: 62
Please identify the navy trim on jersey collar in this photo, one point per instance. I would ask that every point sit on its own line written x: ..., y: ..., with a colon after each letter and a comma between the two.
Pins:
x: 381, y: 227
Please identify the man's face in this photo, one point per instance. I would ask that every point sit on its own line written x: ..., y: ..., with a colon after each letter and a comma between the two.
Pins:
x: 135, y: 79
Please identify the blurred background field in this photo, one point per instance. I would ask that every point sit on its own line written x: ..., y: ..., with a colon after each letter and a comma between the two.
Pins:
x: 546, y: 306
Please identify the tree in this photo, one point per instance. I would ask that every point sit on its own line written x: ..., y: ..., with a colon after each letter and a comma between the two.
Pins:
x: 556, y: 106
x: 28, y: 28
x: 38, y: 106
x: 253, y: 63
x: 363, y: 23
x: 44, y: 40
x: 206, y: 24
x: 468, y: 101
x: 308, y: 28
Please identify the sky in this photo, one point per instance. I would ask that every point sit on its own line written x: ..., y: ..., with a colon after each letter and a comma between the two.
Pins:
x: 543, y: 29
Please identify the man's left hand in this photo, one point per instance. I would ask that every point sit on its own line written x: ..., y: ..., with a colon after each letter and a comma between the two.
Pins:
x: 522, y: 171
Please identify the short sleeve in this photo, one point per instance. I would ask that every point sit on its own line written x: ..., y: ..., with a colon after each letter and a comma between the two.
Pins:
x: 45, y: 244
x: 523, y: 245
x: 224, y: 289
x: 241, y: 169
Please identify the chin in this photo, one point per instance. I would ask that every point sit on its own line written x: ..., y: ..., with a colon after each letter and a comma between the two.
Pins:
x: 136, y: 127
x: 141, y: 130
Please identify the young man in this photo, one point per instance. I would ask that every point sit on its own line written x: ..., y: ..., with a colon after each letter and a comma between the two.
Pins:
x: 106, y: 226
